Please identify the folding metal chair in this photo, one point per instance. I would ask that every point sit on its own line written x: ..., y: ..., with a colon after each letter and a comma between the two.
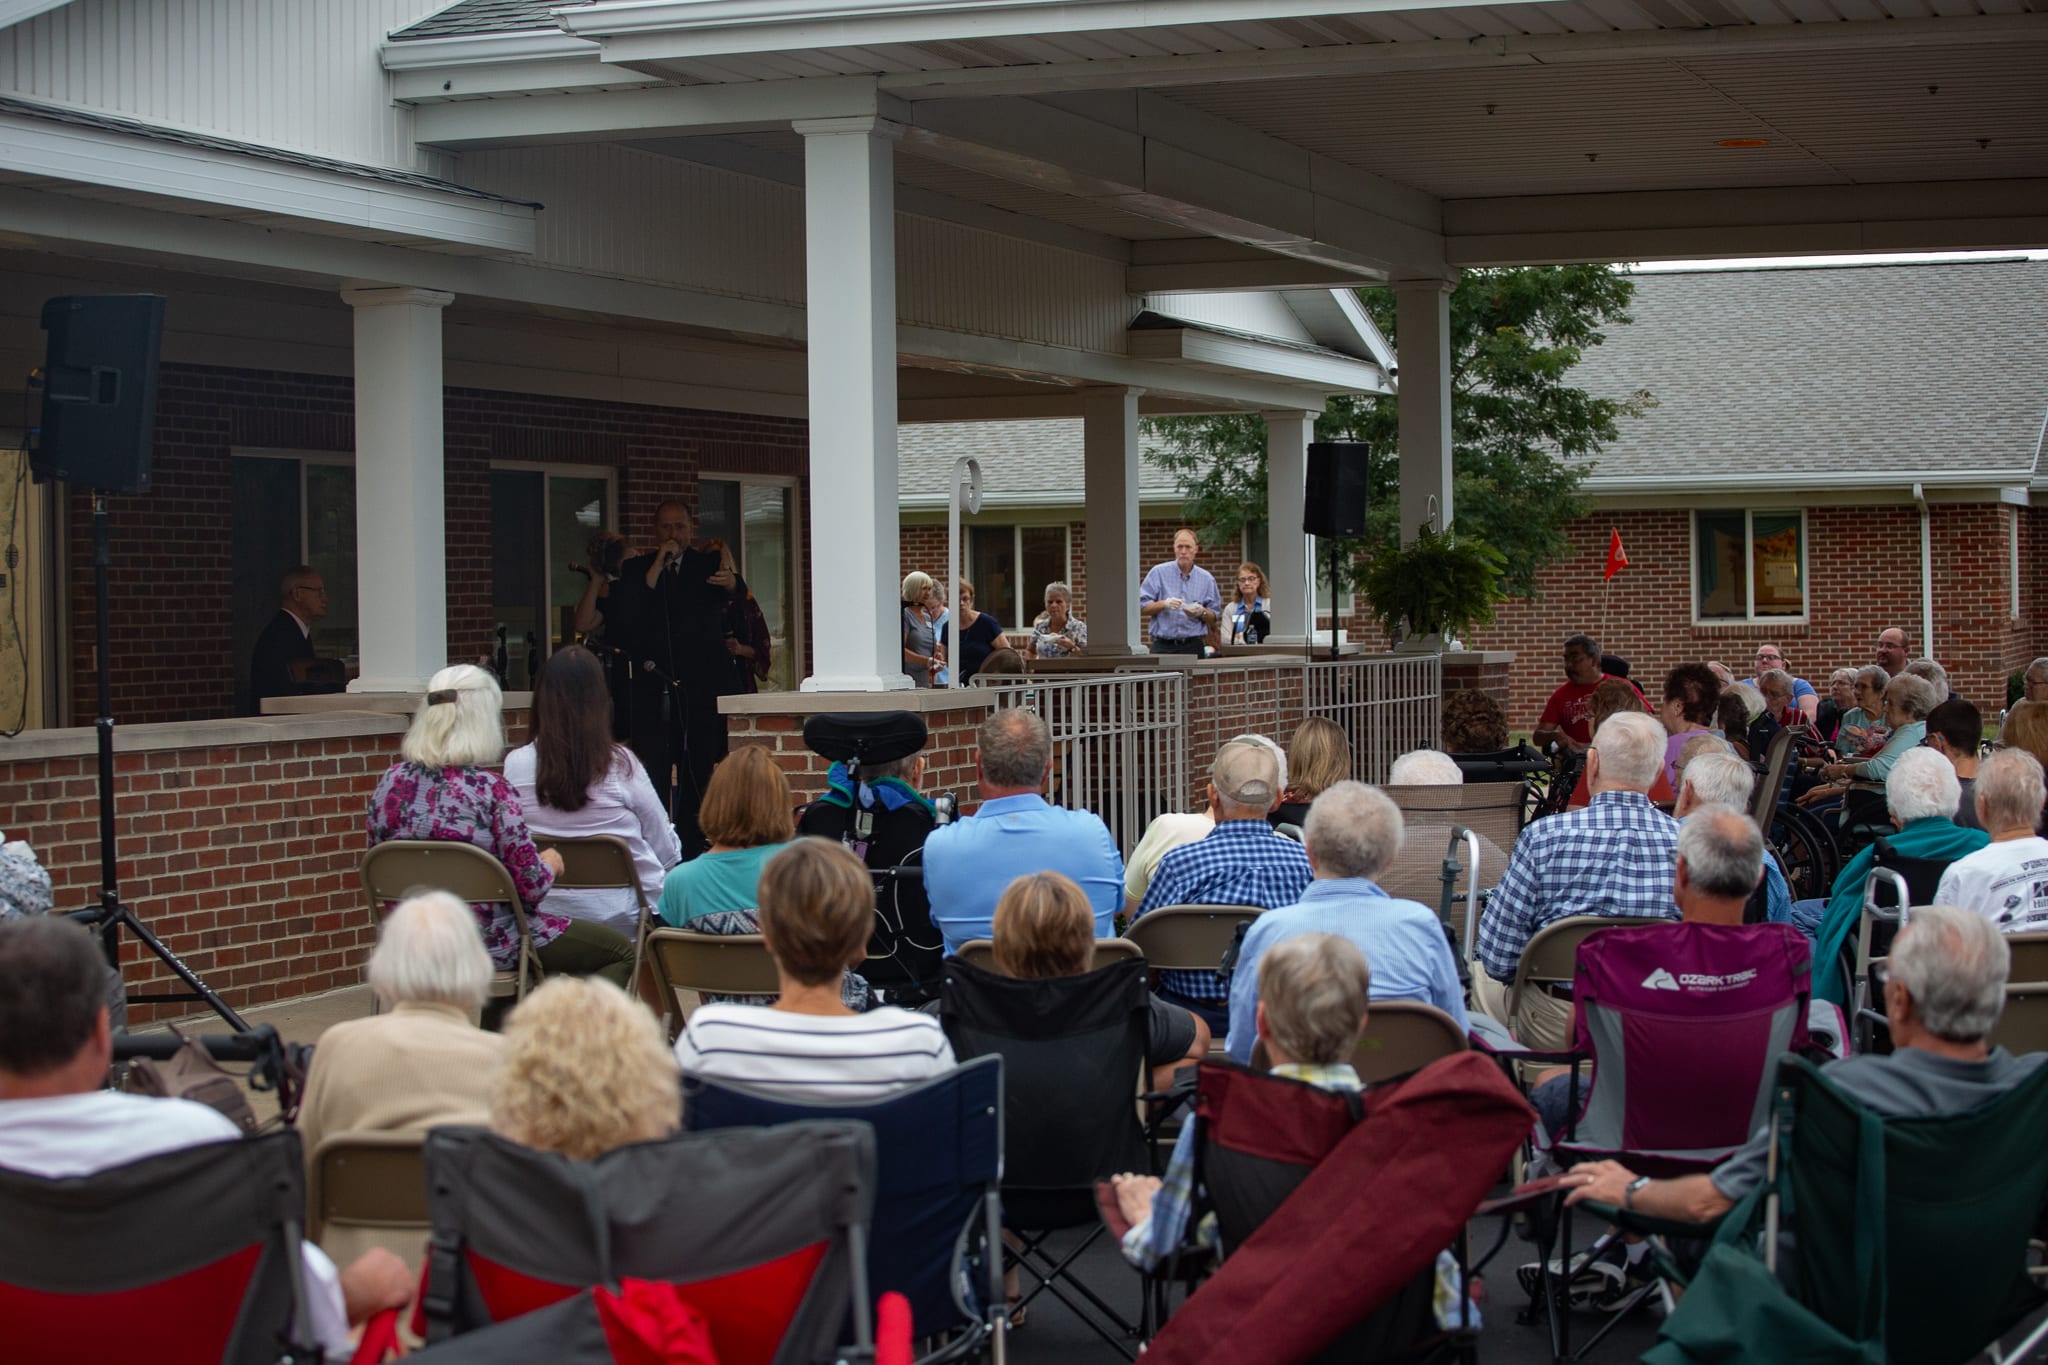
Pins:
x: 1551, y: 960
x: 1189, y: 937
x: 1403, y: 1036
x: 369, y: 1190
x: 1073, y: 1051
x: 2023, y: 1024
x: 762, y: 1231
x: 939, y: 1158
x: 706, y: 964
x: 982, y: 952
x: 188, y: 1258
x: 395, y: 869
x: 604, y: 862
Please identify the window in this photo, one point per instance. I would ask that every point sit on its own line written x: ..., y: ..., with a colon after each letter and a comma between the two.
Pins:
x: 1749, y: 566
x: 1010, y: 566
x: 756, y: 518
x: 318, y: 493
x: 542, y: 517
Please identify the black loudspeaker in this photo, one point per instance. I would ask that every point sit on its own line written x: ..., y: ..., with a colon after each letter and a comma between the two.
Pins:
x: 99, y: 390
x: 1335, y: 497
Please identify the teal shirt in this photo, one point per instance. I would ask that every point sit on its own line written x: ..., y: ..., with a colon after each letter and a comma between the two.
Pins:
x: 1932, y: 837
x: 711, y: 882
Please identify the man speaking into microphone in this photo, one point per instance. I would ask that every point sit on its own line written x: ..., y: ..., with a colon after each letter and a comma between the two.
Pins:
x: 669, y: 610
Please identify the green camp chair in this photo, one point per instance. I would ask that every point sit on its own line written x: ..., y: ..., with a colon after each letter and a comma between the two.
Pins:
x: 1908, y: 1237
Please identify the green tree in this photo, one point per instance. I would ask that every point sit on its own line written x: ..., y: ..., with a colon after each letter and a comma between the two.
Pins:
x: 1521, y: 432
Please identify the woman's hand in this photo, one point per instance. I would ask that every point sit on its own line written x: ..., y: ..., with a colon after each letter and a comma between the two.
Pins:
x: 551, y: 860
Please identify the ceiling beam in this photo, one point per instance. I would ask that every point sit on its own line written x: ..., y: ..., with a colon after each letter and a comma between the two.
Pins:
x: 1149, y: 156
x: 1783, y: 221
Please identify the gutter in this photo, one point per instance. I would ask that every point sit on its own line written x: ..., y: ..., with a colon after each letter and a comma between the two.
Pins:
x: 1926, y: 576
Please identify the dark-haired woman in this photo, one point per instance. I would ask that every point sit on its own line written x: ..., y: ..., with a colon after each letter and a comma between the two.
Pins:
x: 573, y: 782
x: 1692, y: 700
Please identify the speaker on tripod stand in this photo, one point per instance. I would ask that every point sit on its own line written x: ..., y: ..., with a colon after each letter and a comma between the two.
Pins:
x: 98, y: 426
x: 1333, y: 504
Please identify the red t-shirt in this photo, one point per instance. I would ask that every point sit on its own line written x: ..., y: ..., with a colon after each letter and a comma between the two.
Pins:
x: 1570, y: 709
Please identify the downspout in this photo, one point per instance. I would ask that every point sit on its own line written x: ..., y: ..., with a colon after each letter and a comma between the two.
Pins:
x: 1926, y: 576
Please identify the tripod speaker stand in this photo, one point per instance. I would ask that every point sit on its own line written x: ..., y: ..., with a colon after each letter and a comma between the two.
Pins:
x: 99, y: 408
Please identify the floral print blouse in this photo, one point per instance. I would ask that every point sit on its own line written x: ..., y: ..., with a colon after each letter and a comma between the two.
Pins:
x: 474, y: 806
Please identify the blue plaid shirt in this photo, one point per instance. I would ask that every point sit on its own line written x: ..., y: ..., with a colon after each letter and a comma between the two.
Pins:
x: 1617, y: 856
x: 1154, y: 1240
x: 1240, y: 862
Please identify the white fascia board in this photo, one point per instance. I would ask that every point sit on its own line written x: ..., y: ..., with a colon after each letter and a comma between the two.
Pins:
x: 1753, y: 487
x: 14, y: 11
x: 1336, y: 319
x: 1189, y: 346
x: 90, y: 156
x: 652, y: 32
x: 482, y: 49
x: 671, y: 110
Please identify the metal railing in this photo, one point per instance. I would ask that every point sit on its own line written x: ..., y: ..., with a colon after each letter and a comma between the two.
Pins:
x: 1387, y: 704
x: 1119, y: 743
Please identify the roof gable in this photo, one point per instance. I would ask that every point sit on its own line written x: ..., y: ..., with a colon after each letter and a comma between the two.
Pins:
x: 470, y: 18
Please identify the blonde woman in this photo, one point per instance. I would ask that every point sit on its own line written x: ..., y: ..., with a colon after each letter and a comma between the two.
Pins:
x: 443, y: 786
x: 1318, y: 758
x: 923, y: 653
x: 585, y: 1071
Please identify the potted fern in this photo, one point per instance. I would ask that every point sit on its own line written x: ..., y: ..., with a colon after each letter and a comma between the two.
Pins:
x: 1439, y: 586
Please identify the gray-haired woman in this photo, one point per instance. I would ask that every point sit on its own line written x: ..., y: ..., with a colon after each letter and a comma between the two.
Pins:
x: 1058, y: 633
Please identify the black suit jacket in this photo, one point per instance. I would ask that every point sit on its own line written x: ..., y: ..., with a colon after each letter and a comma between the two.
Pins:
x: 678, y: 624
x: 270, y: 672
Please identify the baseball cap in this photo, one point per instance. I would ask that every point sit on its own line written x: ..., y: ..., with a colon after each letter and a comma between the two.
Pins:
x: 1247, y: 771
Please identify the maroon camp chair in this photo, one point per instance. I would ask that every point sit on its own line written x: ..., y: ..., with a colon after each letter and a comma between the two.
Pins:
x: 1683, y: 1025
x: 188, y: 1258
x: 1331, y: 1224
x: 761, y: 1231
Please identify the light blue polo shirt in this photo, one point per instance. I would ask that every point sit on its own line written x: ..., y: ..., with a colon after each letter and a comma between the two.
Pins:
x: 969, y: 863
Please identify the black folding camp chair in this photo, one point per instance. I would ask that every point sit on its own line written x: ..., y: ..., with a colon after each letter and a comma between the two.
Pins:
x: 1073, y: 1051
x: 764, y: 1232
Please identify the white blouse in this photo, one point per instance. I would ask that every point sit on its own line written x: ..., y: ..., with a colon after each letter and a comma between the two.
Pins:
x: 622, y: 803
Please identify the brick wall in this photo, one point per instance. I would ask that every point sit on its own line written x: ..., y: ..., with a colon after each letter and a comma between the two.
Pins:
x: 169, y: 587
x: 1864, y: 575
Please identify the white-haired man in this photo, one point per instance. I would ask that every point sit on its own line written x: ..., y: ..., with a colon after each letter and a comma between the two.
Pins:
x: 1943, y: 993
x: 1242, y: 861
x: 2035, y: 681
x: 1614, y: 857
x: 1352, y: 833
x: 2006, y: 881
x: 1721, y: 779
x: 1921, y: 794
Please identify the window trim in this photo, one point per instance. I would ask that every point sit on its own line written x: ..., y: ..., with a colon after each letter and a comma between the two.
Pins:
x: 1017, y: 529
x: 798, y: 585
x: 1749, y: 515
x: 547, y: 470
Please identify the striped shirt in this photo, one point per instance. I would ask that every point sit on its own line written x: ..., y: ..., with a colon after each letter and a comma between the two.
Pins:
x: 814, y: 1056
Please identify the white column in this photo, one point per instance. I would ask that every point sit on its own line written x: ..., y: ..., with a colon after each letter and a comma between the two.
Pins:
x: 1287, y: 438
x: 401, y: 515
x: 850, y: 318
x: 1422, y: 324
x: 1109, y: 459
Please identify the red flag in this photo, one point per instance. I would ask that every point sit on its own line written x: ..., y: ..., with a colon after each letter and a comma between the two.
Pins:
x: 1617, y: 558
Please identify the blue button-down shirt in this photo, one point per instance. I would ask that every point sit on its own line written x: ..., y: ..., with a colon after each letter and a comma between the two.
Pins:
x: 970, y: 863
x: 1617, y: 856
x: 1240, y: 862
x: 1196, y: 587
x: 1403, y: 943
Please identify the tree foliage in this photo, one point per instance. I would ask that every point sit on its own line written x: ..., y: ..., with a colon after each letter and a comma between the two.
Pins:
x: 1522, y: 433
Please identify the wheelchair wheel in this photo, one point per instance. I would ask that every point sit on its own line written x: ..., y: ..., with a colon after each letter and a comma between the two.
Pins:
x: 1807, y: 852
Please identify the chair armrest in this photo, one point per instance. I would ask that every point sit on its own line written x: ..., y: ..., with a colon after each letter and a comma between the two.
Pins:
x: 1527, y: 1195
x: 1649, y: 1225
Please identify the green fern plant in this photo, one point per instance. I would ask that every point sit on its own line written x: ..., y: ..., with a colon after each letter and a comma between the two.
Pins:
x: 1442, y: 583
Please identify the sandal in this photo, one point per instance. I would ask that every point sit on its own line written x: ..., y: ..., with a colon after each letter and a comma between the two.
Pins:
x: 1018, y: 1314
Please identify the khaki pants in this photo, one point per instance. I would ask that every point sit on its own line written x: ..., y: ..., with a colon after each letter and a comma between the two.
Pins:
x: 1545, y: 1024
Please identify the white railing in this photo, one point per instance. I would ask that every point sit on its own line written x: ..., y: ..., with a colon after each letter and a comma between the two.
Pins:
x: 1119, y: 744
x: 1387, y: 704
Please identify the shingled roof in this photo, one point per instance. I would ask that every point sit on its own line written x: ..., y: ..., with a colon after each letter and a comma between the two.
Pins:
x: 1023, y: 464
x: 469, y: 18
x: 1936, y: 369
